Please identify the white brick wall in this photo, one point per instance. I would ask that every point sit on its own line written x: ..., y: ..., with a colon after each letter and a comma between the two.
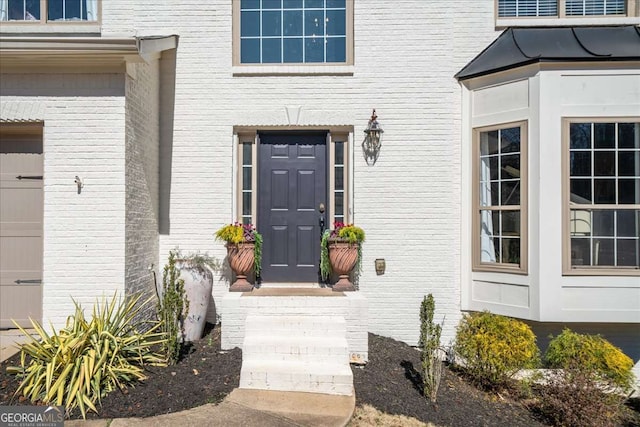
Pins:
x: 84, y: 136
x: 142, y: 177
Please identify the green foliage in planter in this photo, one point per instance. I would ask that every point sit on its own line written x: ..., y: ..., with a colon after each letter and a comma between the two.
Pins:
x: 348, y: 232
x: 591, y: 352
x: 87, y: 359
x: 172, y: 308
x: 243, y: 233
x: 430, y: 345
x: 198, y: 260
x: 495, y: 347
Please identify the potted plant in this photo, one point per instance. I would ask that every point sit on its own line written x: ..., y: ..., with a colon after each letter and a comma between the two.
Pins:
x: 196, y: 272
x: 244, y: 251
x: 341, y: 251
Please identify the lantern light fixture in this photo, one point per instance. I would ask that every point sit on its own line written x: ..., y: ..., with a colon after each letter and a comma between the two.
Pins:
x: 374, y: 133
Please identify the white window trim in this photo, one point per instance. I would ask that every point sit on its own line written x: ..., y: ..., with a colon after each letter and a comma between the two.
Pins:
x: 477, y: 264
x: 567, y: 269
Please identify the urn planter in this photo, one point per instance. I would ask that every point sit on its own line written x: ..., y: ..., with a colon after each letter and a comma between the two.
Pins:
x: 198, y: 282
x: 241, y: 260
x: 343, y: 257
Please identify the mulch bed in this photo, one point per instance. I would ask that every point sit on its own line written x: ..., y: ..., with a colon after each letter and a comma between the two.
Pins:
x: 389, y: 382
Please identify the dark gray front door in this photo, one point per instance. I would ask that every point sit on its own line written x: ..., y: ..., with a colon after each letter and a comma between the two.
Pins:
x: 292, y: 183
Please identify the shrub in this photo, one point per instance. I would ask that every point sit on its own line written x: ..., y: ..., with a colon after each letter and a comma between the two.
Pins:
x: 172, y: 308
x: 88, y: 358
x: 592, y: 352
x: 572, y: 397
x: 430, y: 345
x: 495, y: 347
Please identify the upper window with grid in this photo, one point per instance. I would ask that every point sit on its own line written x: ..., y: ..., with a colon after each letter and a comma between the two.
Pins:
x: 561, y: 8
x: 44, y: 11
x: 293, y: 31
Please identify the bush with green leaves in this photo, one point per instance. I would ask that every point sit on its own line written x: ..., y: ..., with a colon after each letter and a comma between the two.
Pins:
x: 495, y: 347
x: 172, y: 309
x: 89, y: 358
x: 432, y: 364
x: 591, y: 352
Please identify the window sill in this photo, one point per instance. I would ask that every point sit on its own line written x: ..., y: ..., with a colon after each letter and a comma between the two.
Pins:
x: 49, y: 28
x: 559, y: 22
x: 594, y: 271
x: 292, y: 70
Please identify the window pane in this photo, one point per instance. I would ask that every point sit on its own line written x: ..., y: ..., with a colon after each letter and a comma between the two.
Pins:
x: 579, y: 135
x: 250, y: 24
x: 489, y: 143
x: 336, y: 4
x: 336, y: 22
x: 246, y: 203
x: 510, y: 140
x: 510, y: 193
x: 313, y: 23
x: 489, y: 194
x: 629, y: 191
x: 339, y: 184
x: 314, y: 49
x: 628, y: 222
x: 580, y: 252
x: 271, y: 4
x: 249, y: 4
x: 629, y: 253
x: 511, y: 251
x: 313, y: 3
x: 603, y: 252
x: 604, y: 191
x: 489, y: 168
x: 72, y: 10
x: 339, y: 153
x: 580, y: 222
x: 603, y: 223
x: 271, y: 51
x: 604, y: 163
x: 336, y: 49
x: 510, y: 166
x: 514, y: 8
x: 54, y: 10
x: 247, y: 154
x: 580, y: 191
x: 292, y: 50
x: 246, y: 179
x: 339, y: 198
x: 271, y: 23
x: 595, y: 7
x: 604, y: 135
x: 511, y: 223
x: 629, y: 135
x: 250, y: 51
x: 292, y: 4
x: 629, y: 163
x: 292, y: 22
x: 580, y: 163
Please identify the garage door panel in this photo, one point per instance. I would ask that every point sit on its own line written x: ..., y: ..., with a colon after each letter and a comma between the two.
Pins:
x: 21, y: 205
x: 17, y: 303
x: 21, y: 253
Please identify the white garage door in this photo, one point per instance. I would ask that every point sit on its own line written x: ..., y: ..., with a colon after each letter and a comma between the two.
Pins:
x: 21, y: 211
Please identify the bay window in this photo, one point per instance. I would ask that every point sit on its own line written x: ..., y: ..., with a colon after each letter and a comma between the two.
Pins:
x: 602, y: 196
x: 500, y: 198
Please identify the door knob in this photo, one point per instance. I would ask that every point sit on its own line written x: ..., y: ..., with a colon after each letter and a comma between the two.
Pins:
x: 321, y: 208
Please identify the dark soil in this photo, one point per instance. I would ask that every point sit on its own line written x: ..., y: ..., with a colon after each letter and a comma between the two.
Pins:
x: 389, y: 382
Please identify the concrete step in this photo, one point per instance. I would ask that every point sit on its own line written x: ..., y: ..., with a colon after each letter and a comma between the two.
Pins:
x: 289, y: 285
x: 332, y: 349
x: 312, y: 377
x: 288, y: 325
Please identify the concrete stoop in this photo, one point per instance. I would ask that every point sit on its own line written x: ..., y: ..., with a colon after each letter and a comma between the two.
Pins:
x: 300, y: 353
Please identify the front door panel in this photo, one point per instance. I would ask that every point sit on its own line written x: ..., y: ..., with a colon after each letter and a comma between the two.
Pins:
x: 292, y: 183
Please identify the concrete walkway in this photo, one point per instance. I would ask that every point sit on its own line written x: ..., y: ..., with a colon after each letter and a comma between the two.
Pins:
x: 248, y: 408
x: 9, y: 339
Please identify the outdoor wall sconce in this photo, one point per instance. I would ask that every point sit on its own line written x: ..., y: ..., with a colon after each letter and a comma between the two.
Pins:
x: 381, y: 265
x: 372, y: 140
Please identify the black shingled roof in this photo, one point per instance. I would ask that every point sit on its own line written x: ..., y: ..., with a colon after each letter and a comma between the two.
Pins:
x: 516, y: 47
